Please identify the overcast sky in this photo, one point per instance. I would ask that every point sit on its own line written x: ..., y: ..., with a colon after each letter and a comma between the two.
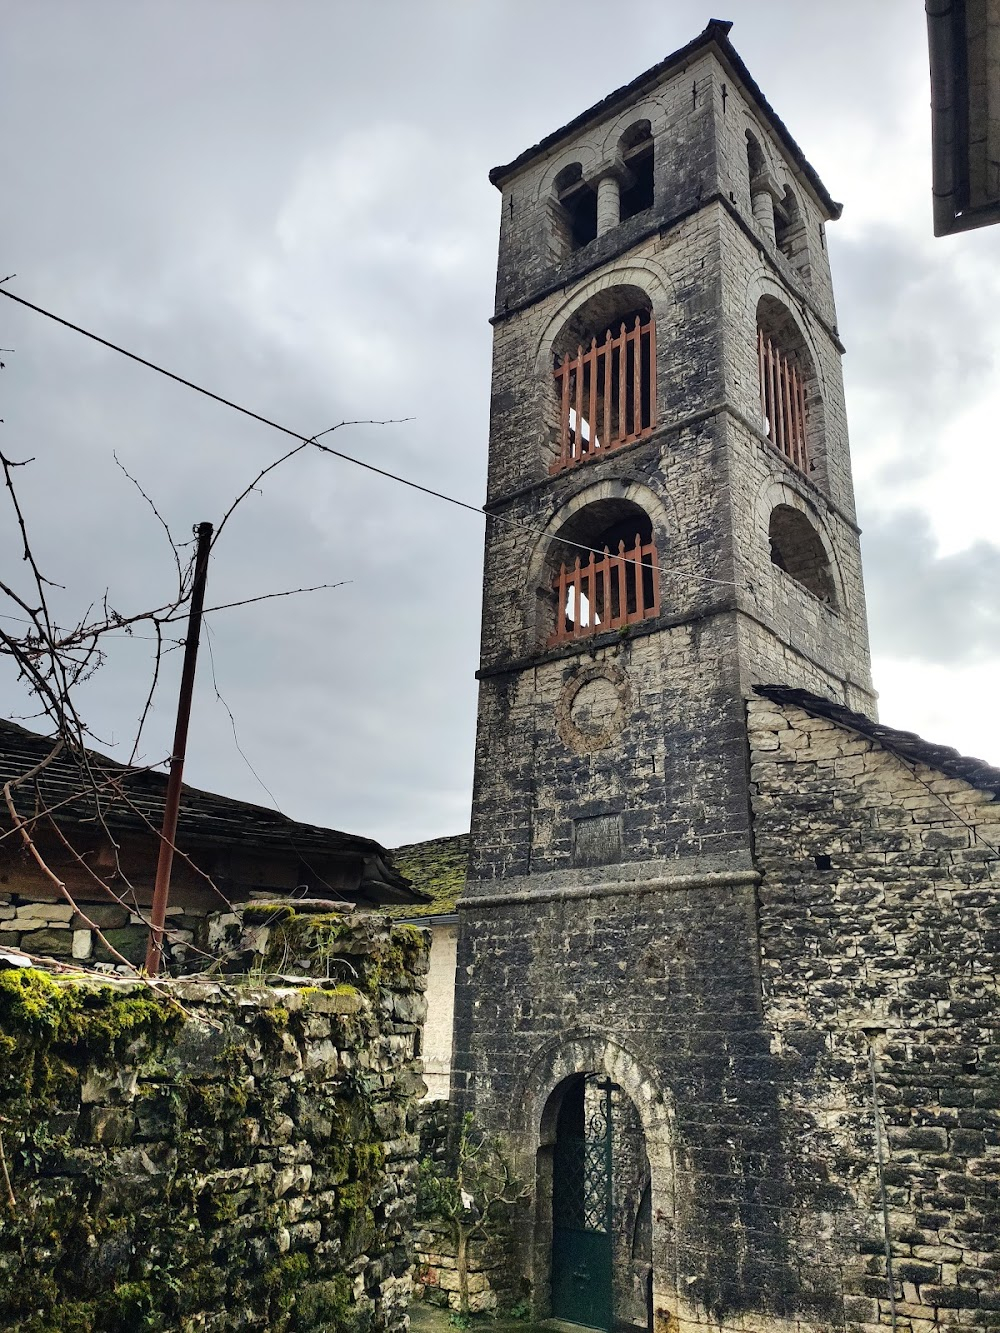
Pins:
x: 289, y: 203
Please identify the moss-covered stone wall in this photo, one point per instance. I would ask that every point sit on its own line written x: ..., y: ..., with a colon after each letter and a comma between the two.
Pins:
x: 234, y: 1153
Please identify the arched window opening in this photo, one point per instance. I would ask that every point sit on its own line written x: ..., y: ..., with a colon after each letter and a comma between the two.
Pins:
x: 785, y: 382
x: 613, y: 581
x: 578, y: 202
x: 605, y: 378
x: 796, y: 548
x: 636, y: 148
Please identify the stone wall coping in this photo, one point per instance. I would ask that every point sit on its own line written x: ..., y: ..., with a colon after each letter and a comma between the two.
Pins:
x: 663, y: 884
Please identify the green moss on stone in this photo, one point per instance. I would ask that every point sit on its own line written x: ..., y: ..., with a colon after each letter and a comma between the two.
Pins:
x: 324, y: 1305
x: 267, y: 914
x: 94, y: 1248
x: 437, y: 866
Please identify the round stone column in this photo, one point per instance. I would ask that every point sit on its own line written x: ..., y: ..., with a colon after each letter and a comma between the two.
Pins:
x: 608, y: 203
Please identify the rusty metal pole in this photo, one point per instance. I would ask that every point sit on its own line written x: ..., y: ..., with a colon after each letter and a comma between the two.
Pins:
x: 161, y: 889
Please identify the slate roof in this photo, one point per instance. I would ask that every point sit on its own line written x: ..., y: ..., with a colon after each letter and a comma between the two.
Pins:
x: 906, y: 744
x: 437, y: 866
x: 204, y: 816
x: 717, y: 32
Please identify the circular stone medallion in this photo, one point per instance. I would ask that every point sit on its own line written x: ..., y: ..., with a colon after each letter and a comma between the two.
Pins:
x: 593, y: 708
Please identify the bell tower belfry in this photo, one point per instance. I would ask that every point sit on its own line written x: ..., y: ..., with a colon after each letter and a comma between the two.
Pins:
x: 670, y: 522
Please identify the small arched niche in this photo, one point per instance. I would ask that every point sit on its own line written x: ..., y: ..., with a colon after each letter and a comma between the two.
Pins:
x: 601, y: 573
x: 797, y: 548
x: 790, y: 404
x: 605, y: 377
x: 635, y: 147
x: 577, y: 208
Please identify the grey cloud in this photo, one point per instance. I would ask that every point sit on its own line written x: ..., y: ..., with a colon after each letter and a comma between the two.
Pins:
x: 937, y: 609
x: 913, y: 328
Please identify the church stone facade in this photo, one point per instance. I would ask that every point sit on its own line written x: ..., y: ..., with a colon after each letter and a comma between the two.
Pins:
x: 726, y: 980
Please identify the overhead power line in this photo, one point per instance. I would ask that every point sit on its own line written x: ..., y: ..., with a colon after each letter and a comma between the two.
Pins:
x: 328, y: 449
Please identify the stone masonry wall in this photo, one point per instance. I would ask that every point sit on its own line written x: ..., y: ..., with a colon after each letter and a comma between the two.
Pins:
x: 215, y: 1154
x: 880, y: 942
x: 51, y: 928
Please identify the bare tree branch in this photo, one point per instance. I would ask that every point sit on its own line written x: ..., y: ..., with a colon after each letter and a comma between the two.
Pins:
x: 160, y: 519
x: 53, y: 660
x: 263, y: 597
x: 296, y: 449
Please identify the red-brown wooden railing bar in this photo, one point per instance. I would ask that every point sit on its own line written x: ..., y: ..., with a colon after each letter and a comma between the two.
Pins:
x: 584, y: 384
x: 615, y: 590
x: 782, y: 401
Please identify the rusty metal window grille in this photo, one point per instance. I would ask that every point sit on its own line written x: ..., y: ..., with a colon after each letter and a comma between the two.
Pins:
x: 782, y: 401
x: 607, y: 393
x: 606, y: 592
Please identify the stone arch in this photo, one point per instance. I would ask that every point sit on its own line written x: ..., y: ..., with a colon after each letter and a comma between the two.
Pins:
x: 574, y: 213
x: 796, y: 548
x: 584, y: 155
x: 761, y: 283
x: 652, y: 108
x: 780, y: 497
x: 628, y: 296
x: 539, y: 1099
x: 611, y: 500
x: 756, y: 161
x: 635, y: 150
x: 791, y: 232
x: 788, y: 217
x: 597, y: 312
x: 641, y: 275
x: 568, y: 187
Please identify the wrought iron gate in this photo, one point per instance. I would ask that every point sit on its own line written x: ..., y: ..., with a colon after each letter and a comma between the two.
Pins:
x: 581, y: 1217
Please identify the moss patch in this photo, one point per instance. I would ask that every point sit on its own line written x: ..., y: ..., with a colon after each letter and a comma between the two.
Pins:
x: 147, y: 1152
x: 438, y: 866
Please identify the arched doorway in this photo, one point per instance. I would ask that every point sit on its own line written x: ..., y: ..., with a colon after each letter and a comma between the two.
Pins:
x: 601, y: 1261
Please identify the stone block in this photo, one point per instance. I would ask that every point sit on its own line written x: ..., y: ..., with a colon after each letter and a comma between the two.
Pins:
x: 108, y: 916
x: 110, y: 1125
x: 82, y: 944
x: 130, y: 942
x: 48, y: 943
x: 30, y: 915
x: 951, y: 1298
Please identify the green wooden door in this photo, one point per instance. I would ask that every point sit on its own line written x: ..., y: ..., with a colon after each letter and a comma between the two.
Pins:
x: 581, y: 1213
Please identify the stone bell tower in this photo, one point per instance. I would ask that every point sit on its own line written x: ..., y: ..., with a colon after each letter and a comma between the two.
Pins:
x: 671, y: 521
